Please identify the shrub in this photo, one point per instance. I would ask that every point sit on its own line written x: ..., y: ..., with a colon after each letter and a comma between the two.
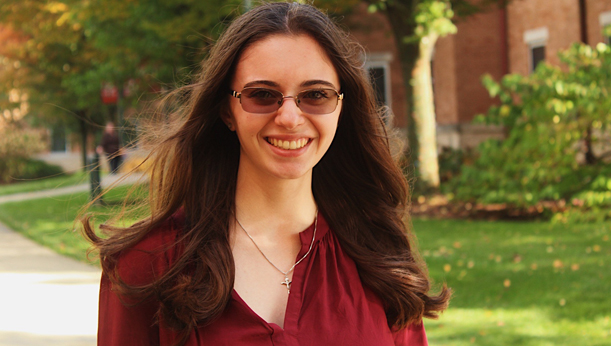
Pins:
x: 554, y: 117
x: 36, y: 169
x: 450, y: 163
x: 17, y: 144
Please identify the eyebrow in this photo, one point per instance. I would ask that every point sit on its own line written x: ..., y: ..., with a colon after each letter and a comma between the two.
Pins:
x: 264, y: 82
x: 276, y: 85
x: 317, y: 82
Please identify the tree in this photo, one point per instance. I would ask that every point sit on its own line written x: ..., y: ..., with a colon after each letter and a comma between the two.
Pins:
x: 73, y: 47
x: 433, y: 21
x: 548, y: 115
x: 52, y: 51
x: 70, y: 48
x: 416, y: 25
x: 149, y: 45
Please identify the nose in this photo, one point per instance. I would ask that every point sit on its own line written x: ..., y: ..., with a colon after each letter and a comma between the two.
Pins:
x: 289, y: 114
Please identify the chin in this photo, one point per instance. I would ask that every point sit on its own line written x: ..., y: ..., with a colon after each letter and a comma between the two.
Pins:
x: 292, y: 174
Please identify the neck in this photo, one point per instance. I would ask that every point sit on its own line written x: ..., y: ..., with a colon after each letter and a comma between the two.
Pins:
x: 272, y: 205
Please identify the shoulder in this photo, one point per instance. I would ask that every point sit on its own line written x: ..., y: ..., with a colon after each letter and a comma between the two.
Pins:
x: 154, y: 254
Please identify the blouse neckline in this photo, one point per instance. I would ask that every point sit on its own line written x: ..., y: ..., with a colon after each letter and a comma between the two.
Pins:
x: 294, y: 301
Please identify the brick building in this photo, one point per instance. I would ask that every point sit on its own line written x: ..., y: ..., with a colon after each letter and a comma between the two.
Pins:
x: 496, y: 42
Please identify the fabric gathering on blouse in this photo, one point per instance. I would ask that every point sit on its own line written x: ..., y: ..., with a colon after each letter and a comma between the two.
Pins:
x: 328, y: 304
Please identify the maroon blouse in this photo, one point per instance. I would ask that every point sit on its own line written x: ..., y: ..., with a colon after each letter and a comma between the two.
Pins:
x: 328, y: 304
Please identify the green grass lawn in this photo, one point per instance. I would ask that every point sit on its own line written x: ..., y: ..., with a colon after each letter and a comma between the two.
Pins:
x: 50, y: 221
x: 44, y: 184
x: 515, y: 283
x: 518, y: 283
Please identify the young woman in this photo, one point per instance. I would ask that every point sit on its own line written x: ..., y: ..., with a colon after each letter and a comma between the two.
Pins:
x: 277, y: 209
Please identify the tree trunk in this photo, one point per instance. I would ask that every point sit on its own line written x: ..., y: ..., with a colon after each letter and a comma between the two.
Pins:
x: 421, y: 124
x: 591, y: 159
x: 83, y: 128
x: 400, y: 17
x: 424, y: 113
x: 120, y: 124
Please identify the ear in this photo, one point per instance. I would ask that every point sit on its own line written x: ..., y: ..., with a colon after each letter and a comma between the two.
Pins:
x: 227, y: 118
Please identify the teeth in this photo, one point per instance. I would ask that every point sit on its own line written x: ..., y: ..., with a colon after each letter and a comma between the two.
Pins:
x: 288, y: 145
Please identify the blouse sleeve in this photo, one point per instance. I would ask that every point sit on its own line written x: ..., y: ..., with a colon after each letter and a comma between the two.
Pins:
x: 126, y: 321
x: 413, y: 335
x: 125, y: 325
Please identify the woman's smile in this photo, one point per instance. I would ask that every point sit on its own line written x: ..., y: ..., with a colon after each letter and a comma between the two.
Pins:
x: 286, y: 144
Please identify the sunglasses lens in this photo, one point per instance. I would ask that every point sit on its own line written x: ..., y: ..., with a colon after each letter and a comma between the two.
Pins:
x: 260, y: 100
x: 318, y: 101
x: 266, y: 101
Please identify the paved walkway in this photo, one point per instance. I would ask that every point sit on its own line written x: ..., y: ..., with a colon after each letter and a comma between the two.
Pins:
x: 45, y: 298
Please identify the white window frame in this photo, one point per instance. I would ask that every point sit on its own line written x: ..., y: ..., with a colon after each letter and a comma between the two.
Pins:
x: 605, y: 19
x: 381, y: 60
x: 535, y: 38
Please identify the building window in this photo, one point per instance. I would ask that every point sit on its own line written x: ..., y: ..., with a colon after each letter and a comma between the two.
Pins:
x: 377, y: 75
x: 605, y: 21
x: 537, y: 55
x: 58, y: 139
x: 536, y: 40
x: 378, y: 66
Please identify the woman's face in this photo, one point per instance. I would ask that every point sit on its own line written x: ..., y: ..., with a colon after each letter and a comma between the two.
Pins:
x: 288, y: 142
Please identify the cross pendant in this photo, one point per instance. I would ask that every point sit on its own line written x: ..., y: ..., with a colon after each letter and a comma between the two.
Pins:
x: 287, y: 282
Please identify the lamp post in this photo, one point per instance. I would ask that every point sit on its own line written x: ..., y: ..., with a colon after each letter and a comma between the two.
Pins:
x: 94, y: 178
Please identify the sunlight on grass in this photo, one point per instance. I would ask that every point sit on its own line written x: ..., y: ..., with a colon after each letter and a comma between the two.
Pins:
x: 51, y: 221
x: 514, y: 283
x: 519, y: 283
x: 525, y: 327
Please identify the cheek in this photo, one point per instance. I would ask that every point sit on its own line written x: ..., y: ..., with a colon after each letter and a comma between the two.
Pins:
x: 248, y: 127
x: 327, y: 131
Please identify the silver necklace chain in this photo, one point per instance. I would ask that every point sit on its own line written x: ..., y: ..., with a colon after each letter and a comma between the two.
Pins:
x: 286, y: 281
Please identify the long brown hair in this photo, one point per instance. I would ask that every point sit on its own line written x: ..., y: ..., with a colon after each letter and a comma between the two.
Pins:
x: 357, y: 185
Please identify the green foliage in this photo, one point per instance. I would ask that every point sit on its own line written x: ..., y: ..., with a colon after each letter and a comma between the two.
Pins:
x: 451, y: 162
x: 48, y: 52
x: 36, y: 169
x: 17, y: 144
x: 152, y: 42
x: 549, y: 115
x: 427, y: 16
x: 434, y: 16
x: 63, y: 52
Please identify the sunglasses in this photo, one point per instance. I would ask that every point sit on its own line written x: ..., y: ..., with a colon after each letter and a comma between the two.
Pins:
x: 267, y: 101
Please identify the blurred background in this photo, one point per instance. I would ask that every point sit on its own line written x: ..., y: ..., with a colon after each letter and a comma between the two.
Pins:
x: 503, y: 107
